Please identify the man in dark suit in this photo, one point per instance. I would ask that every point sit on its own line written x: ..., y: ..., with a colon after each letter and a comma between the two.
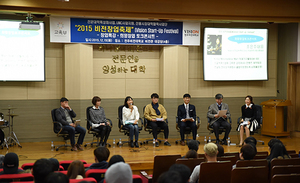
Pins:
x: 64, y: 115
x: 216, y: 121
x: 187, y: 117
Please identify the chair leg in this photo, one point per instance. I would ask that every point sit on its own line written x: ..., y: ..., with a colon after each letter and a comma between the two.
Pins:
x: 92, y: 143
x: 64, y: 145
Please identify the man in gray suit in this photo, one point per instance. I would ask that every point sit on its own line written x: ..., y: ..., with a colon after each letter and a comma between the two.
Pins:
x: 216, y: 121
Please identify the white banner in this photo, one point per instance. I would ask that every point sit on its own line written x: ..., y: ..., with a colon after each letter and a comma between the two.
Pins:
x: 60, y: 30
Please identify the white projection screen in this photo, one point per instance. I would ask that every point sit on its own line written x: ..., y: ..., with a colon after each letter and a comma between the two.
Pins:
x: 235, y: 54
x: 22, y: 52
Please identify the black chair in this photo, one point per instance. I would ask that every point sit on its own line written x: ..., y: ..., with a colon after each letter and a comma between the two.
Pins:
x: 188, y: 130
x: 221, y: 129
x: 58, y: 129
x: 94, y: 131
x: 148, y: 129
x: 259, y: 119
x: 123, y: 129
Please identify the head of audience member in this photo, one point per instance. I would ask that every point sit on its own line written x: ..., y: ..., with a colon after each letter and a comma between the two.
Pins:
x: 250, y: 140
x: 57, y: 177
x: 41, y: 169
x: 219, y: 98
x: 128, y: 101
x: 191, y: 154
x: 55, y: 164
x: 272, y: 142
x: 170, y: 177
x: 193, y: 145
x: 186, y: 98
x: 247, y: 152
x: 101, y: 154
x: 119, y: 172
x: 64, y: 102
x: 154, y: 98
x: 183, y: 170
x: 115, y: 159
x: 211, y: 151
x: 76, y: 168
x: 1, y: 160
x: 96, y: 101
x: 10, y: 163
x: 278, y: 150
x: 220, y: 150
x: 249, y: 100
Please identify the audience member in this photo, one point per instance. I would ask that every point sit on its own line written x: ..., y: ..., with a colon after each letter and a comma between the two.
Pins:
x: 99, y: 120
x: 156, y: 114
x: 250, y: 140
x: 119, y: 172
x: 191, y: 154
x: 272, y: 142
x: 57, y: 177
x: 278, y: 150
x: 55, y: 164
x: 170, y: 177
x: 101, y: 155
x: 115, y: 159
x: 220, y: 150
x: 11, y: 164
x: 76, y: 170
x: 41, y: 169
x: 247, y: 152
x: 193, y: 145
x: 211, y: 152
x: 183, y: 170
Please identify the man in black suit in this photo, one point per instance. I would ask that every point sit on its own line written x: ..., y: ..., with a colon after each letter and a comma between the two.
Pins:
x: 64, y: 115
x: 187, y: 117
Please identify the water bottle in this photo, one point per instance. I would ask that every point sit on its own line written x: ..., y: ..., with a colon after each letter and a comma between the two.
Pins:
x: 114, y: 143
x: 205, y: 141
x: 52, y: 146
x: 228, y: 141
x: 120, y: 143
x: 153, y: 142
x: 209, y: 140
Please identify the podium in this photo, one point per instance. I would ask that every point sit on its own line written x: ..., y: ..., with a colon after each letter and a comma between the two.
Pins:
x: 273, y: 117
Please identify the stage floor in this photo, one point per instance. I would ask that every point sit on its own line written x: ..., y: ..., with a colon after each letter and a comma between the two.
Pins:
x: 30, y: 152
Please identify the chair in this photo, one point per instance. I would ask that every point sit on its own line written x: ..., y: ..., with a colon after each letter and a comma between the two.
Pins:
x: 294, y: 155
x: 123, y: 129
x: 188, y: 130
x: 292, y: 161
x: 58, y: 129
x: 236, y: 154
x: 201, y: 156
x: 97, y: 174
x: 289, y: 178
x: 259, y: 119
x: 286, y: 169
x: 191, y: 162
x: 161, y: 164
x: 87, y: 165
x: 291, y: 151
x: 148, y: 129
x: 221, y: 129
x: 89, y: 179
x: 257, y: 174
x: 212, y: 172
x: 26, y: 166
x: 65, y: 163
x: 232, y: 159
x: 260, y: 157
x: 135, y: 179
x: 247, y: 163
x: 262, y: 153
x: 94, y: 131
x: 16, y: 177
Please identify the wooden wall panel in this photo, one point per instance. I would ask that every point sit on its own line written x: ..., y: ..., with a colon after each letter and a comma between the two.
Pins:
x: 109, y: 88
x: 13, y: 90
x: 54, y: 68
x: 262, y: 88
x: 200, y: 88
x: 52, y: 89
x: 141, y: 88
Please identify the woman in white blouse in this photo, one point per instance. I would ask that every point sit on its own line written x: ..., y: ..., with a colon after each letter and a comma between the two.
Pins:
x: 130, y: 120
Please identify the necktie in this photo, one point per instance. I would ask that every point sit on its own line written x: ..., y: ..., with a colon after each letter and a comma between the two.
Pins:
x: 187, y: 111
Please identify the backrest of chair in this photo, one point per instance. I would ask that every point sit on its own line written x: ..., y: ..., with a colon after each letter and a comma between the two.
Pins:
x: 258, y: 174
x: 137, y: 179
x: 65, y: 163
x: 89, y: 179
x: 212, y: 172
x: 236, y: 154
x: 260, y: 157
x: 232, y: 159
x: 286, y: 169
x: 258, y: 114
x: 292, y: 161
x: 265, y: 153
x: 88, y: 117
x: 286, y: 178
x: 97, y: 174
x: 201, y: 156
x: 56, y: 127
x: 294, y: 155
x: 26, y: 166
x: 53, y: 115
x: 162, y: 163
x: 17, y: 177
x: 246, y: 163
x: 120, y: 115
x: 145, y: 120
x: 191, y: 162
x: 291, y: 151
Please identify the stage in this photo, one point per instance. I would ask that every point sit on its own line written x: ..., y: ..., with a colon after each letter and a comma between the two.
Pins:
x: 139, y: 158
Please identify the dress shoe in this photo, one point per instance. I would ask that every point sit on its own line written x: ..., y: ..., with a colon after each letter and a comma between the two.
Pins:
x: 156, y: 144
x: 166, y: 143
x: 136, y: 144
x: 217, y: 141
x: 79, y: 147
x: 224, y: 142
x: 182, y: 143
x: 131, y: 144
x: 74, y: 148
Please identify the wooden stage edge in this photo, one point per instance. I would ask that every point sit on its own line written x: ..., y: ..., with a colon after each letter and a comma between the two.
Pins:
x: 138, y: 158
